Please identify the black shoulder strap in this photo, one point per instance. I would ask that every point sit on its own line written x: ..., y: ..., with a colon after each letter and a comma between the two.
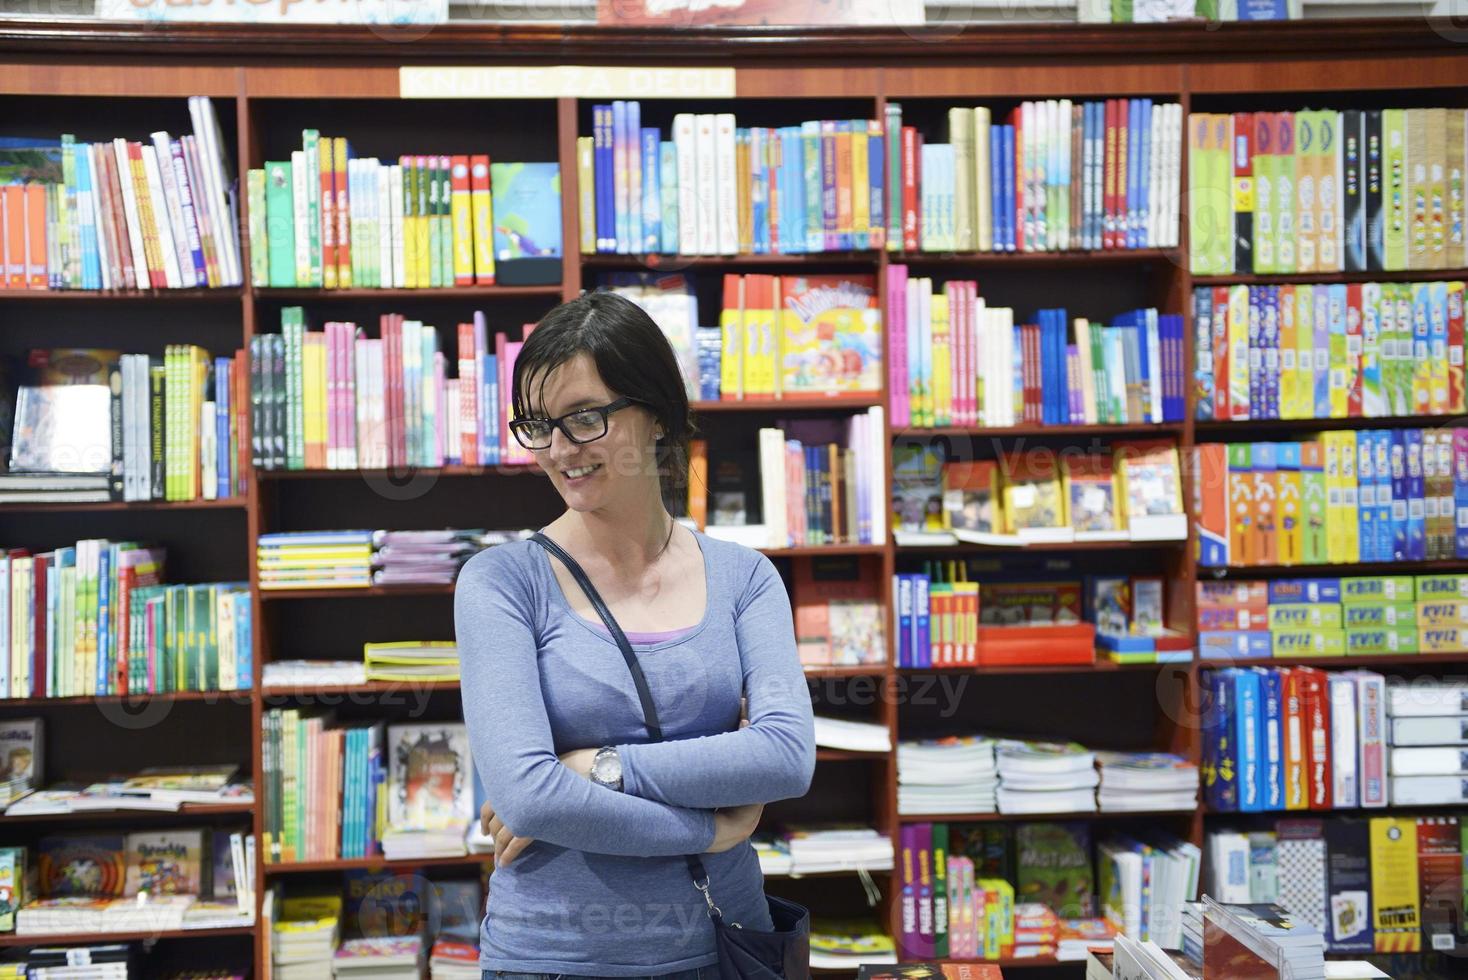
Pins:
x: 639, y: 680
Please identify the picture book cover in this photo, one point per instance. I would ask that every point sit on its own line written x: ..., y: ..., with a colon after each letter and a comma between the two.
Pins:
x: 832, y: 335
x: 429, y: 776
x: 62, y: 429
x: 1033, y: 498
x: 837, y: 611
x: 1054, y: 863
x: 734, y: 487
x: 166, y: 862
x: 458, y: 910
x: 382, y: 904
x: 527, y: 210
x: 1150, y: 478
x: 1111, y: 605
x: 221, y: 870
x: 971, y: 496
x: 1090, y: 490
x: 12, y: 885
x: 1029, y: 603
x: 22, y: 765
x: 82, y: 865
x: 917, y: 487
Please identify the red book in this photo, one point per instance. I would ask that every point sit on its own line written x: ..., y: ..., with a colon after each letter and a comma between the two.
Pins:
x: 157, y: 277
x: 1109, y: 176
x: 1316, y: 706
x: 38, y: 654
x: 1032, y: 368
x: 1021, y: 179
x: 459, y: 195
x: 910, y: 178
x: 479, y: 186
x: 343, y: 214
x: 1455, y: 351
x: 1019, y: 645
x: 120, y: 239
x: 1123, y: 199
x: 1353, y: 349
x: 1221, y: 402
x: 326, y: 173
x: 468, y: 397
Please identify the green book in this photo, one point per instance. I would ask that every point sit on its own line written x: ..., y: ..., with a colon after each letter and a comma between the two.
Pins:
x: 940, y: 890
x: 311, y: 145
x: 259, y: 254
x: 815, y: 229
x: 445, y: 222
x: 279, y: 231
x: 409, y: 242
x: 1220, y: 195
x: 1054, y: 867
x: 893, y: 148
x: 435, y: 231
x: 292, y: 326
x: 1285, y: 227
x: 1394, y: 172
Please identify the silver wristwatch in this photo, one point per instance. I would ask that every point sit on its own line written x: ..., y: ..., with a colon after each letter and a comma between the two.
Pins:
x: 606, y: 769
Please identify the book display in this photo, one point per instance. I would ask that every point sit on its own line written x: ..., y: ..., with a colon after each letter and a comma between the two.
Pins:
x: 1114, y: 477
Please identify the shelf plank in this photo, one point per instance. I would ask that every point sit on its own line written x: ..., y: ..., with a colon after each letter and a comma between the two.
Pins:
x: 1367, y: 811
x: 132, y: 700
x: 27, y: 507
x: 674, y: 263
x: 808, y: 551
x: 847, y: 755
x: 371, y: 687
x: 1409, y: 275
x: 187, y: 811
x: 347, y: 864
x: 1364, y: 660
x: 441, y: 292
x: 1342, y: 571
x: 499, y: 469
x: 226, y: 295
x: 847, y: 670
x: 1022, y: 817
x: 1233, y: 429
x: 1040, y: 259
x: 787, y: 405
x: 356, y: 592
x: 1016, y: 431
x: 92, y: 938
x: 1096, y: 667
x: 964, y: 547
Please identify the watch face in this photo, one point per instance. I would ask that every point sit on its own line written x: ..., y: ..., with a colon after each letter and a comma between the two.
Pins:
x: 609, y: 768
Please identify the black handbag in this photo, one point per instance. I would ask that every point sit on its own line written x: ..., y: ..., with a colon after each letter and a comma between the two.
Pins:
x: 744, y: 954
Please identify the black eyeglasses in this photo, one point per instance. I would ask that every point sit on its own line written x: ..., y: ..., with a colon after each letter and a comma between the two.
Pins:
x: 582, y: 425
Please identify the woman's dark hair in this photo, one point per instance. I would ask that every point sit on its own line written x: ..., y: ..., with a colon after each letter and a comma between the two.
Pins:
x: 633, y: 357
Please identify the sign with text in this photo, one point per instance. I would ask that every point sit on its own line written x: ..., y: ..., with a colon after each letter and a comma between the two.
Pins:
x: 564, y: 81
x: 380, y: 13
x: 759, y: 13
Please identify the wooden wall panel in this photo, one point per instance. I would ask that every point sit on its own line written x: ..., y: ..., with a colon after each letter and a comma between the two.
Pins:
x: 315, y: 82
x: 807, y: 83
x: 1330, y: 74
x: 1071, y: 80
x: 117, y: 79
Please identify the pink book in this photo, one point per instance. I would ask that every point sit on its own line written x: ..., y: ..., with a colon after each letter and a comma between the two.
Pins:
x: 482, y: 405
x: 514, y: 452
x: 352, y: 335
x: 337, y: 350
x: 329, y: 402
x: 468, y: 437
x: 441, y: 417
x: 962, y: 349
x: 392, y: 388
x: 1371, y: 741
x: 897, y: 398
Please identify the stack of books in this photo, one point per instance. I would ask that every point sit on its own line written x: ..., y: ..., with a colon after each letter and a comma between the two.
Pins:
x: 838, y: 612
x: 301, y: 674
x: 1146, y: 961
x: 1143, y: 884
x: 818, y: 850
x: 1241, y: 940
x: 1045, y: 777
x: 427, y: 809
x: 157, y: 788
x: 1146, y: 781
x: 852, y: 736
x: 1426, y: 759
x: 452, y: 960
x: 1131, y: 622
x: 421, y: 557
x: 379, y: 958
x: 315, y: 559
x: 114, y: 961
x: 953, y: 360
x: 847, y: 945
x: 304, y: 937
x: 125, y: 215
x: 956, y: 774
x: 1378, y: 174
x: 332, y: 775
x: 411, y: 660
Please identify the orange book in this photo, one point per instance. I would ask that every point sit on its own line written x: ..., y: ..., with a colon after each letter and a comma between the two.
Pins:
x: 343, y: 213
x: 1073, y: 643
x: 844, y: 217
x: 35, y: 235
x: 838, y: 612
x: 698, y: 482
x: 1293, y: 728
x: 157, y: 278
x: 14, y: 219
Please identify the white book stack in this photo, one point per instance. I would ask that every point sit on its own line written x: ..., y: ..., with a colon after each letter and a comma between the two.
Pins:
x: 852, y: 736
x: 1429, y: 742
x: 1146, y: 781
x: 818, y: 850
x: 1046, y: 777
x: 955, y: 775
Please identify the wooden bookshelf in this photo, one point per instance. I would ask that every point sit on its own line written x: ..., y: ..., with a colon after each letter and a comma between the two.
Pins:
x: 90, y: 938
x: 186, y: 811
x: 376, y: 863
x: 256, y: 72
x: 1218, y: 431
x: 1410, y: 275
x: 28, y: 507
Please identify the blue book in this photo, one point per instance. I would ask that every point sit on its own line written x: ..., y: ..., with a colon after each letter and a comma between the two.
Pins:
x: 1220, y: 750
x: 800, y: 207
x: 620, y: 180
x: 1179, y: 368
x: 1366, y: 497
x: 1269, y: 351
x: 921, y: 634
x: 903, y: 587
x: 1247, y: 732
x: 1399, y: 494
x: 1011, y: 237
x: 490, y: 450
x: 877, y: 176
x: 995, y: 136
x: 652, y: 200
x: 1321, y: 320
x: 668, y: 189
x: 634, y: 176
x: 1381, y: 448
x: 1416, y: 504
x: 1133, y: 159
x: 755, y: 142
x: 1272, y: 728
x: 606, y: 217
x: 223, y: 368
x: 1144, y: 142
x: 1264, y: 10
x: 244, y: 630
x: 1256, y: 353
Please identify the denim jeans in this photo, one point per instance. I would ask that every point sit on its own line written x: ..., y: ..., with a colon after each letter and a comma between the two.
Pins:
x: 701, y: 973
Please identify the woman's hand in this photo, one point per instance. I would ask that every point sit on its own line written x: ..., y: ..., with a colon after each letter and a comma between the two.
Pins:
x: 507, y: 846
x: 733, y: 825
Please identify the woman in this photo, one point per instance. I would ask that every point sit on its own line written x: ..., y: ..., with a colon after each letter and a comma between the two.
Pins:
x: 591, y: 820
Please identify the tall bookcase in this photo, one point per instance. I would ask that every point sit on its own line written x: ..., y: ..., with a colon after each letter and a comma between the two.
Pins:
x: 100, y: 80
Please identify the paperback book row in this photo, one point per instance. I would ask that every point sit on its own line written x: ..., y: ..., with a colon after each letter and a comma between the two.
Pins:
x: 377, y: 924
x: 355, y: 790
x: 795, y: 337
x: 977, y: 774
x: 820, y: 482
x: 961, y: 362
x: 1345, y: 497
x: 396, y: 661
x: 1358, y: 350
x: 358, y: 559
x: 121, y: 214
x: 1129, y: 12
x: 96, y: 618
x: 1038, y: 496
x: 1332, y: 617
x: 838, y: 612
x: 328, y: 219
x: 1043, y: 889
x: 1326, y: 191
x: 144, y: 881
x: 1052, y: 175
x: 1389, y: 884
x: 95, y: 425
x: 337, y: 399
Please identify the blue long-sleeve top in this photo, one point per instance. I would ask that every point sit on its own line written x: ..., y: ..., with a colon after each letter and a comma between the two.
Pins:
x: 605, y: 889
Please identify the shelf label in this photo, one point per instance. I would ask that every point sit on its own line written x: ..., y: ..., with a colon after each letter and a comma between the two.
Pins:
x: 564, y: 81
x: 385, y: 14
